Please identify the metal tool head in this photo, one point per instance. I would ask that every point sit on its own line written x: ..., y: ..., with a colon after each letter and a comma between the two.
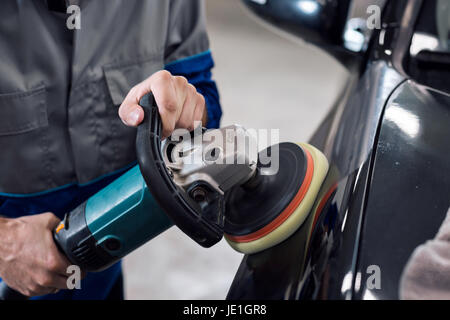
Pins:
x: 221, y: 158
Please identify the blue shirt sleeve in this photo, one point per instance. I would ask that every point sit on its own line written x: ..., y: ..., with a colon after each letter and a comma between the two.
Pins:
x: 197, y: 69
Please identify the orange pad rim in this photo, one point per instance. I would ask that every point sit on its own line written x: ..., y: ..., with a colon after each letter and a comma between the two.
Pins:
x: 286, y: 212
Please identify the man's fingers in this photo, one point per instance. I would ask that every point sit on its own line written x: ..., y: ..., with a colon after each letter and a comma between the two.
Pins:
x: 51, y: 220
x: 200, y: 109
x: 60, y: 265
x: 182, y: 87
x: 186, y: 119
x: 130, y: 112
x: 134, y: 116
x: 50, y: 280
x: 164, y: 90
x: 60, y: 282
x: 178, y: 102
x: 35, y: 290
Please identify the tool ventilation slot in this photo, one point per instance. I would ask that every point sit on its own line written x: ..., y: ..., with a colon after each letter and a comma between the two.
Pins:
x: 88, y: 258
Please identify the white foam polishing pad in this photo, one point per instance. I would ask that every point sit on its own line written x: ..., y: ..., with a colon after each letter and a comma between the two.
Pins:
x: 292, y: 216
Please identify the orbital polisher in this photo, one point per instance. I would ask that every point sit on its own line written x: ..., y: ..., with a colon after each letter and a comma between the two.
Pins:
x: 203, y: 184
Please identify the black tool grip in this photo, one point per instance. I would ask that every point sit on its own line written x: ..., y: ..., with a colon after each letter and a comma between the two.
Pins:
x: 8, y: 294
x: 181, y: 209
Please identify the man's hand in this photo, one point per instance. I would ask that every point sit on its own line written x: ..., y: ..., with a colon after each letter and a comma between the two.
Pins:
x: 178, y: 102
x: 29, y: 259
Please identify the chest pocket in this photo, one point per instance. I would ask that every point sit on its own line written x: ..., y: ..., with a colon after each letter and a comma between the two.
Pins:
x: 100, y: 142
x: 120, y: 78
x: 22, y: 112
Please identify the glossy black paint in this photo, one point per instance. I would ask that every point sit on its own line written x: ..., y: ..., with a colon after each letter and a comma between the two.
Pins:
x: 278, y: 273
x: 410, y: 185
x: 319, y: 22
x: 386, y: 192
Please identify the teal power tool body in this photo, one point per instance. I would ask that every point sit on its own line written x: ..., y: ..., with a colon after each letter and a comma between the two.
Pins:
x: 127, y: 213
x: 135, y: 208
x: 201, y: 183
x: 104, y: 228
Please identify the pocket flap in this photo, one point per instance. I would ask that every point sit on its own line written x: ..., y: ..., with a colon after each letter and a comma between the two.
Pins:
x: 120, y: 78
x: 23, y: 111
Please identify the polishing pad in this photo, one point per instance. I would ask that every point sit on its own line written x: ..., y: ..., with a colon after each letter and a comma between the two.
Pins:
x: 262, y: 217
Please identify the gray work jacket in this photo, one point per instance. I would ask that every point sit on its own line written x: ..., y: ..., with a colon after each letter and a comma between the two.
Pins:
x: 60, y: 89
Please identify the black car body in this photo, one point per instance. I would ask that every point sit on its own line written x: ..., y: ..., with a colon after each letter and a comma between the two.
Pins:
x: 387, y: 139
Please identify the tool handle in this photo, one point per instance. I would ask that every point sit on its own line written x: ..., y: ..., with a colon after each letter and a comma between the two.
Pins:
x: 8, y: 294
x: 174, y: 201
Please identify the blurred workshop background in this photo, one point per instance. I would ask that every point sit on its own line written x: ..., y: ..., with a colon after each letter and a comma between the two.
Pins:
x: 266, y: 80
